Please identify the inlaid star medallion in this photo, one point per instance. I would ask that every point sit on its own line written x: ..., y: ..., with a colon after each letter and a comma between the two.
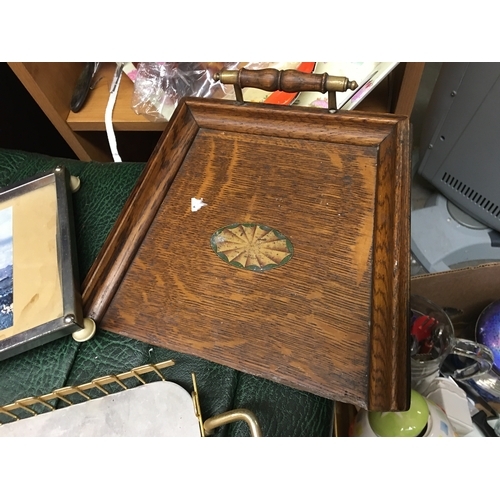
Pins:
x: 252, y: 246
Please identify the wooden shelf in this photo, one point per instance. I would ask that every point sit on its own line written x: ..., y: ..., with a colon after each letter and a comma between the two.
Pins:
x: 51, y: 86
x: 91, y: 116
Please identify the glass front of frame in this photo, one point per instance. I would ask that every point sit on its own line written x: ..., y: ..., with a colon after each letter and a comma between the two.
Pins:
x: 37, y: 268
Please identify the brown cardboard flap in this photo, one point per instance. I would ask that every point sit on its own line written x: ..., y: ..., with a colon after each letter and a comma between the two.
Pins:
x: 468, y: 290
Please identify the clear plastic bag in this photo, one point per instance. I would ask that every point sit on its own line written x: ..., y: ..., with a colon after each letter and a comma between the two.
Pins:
x: 159, y: 86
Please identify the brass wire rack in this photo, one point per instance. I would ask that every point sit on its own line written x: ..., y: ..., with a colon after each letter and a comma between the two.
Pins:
x: 110, y: 384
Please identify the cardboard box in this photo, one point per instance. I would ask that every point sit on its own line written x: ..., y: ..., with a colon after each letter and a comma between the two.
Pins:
x: 462, y: 293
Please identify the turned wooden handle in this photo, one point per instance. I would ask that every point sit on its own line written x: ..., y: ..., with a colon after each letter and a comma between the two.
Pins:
x: 288, y: 80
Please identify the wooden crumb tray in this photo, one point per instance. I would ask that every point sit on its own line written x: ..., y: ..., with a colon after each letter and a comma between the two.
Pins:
x: 297, y: 267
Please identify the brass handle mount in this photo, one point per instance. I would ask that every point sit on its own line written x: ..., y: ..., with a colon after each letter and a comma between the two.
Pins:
x: 288, y: 80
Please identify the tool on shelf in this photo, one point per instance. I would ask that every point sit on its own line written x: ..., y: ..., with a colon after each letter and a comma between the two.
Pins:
x: 83, y: 85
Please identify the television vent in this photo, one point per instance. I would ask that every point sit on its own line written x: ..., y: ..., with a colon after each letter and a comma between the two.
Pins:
x: 472, y: 195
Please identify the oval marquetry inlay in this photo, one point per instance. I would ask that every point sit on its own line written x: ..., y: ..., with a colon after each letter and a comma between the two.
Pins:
x: 252, y: 246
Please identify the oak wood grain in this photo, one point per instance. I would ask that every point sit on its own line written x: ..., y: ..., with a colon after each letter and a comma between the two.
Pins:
x: 330, y: 321
x: 389, y: 362
x: 120, y: 247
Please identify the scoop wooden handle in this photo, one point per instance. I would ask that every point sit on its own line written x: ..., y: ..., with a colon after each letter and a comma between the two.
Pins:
x: 288, y: 80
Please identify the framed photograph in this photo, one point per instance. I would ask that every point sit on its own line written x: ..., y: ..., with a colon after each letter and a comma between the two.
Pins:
x: 40, y: 299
